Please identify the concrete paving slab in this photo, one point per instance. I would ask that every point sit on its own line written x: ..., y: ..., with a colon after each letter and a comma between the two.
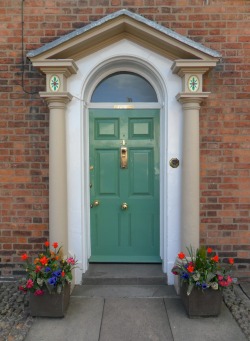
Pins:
x: 81, y: 323
x: 245, y: 286
x: 108, y: 291
x: 221, y: 328
x: 135, y: 320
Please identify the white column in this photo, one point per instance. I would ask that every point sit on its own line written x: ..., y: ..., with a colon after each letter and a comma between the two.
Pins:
x: 58, y: 229
x: 190, y: 221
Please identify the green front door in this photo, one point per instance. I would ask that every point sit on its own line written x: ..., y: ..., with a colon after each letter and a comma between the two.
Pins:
x: 124, y: 185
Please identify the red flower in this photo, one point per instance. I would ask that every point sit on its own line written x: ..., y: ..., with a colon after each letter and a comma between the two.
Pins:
x: 63, y: 274
x: 215, y: 259
x: 209, y: 250
x: 229, y: 280
x: 22, y: 288
x: 71, y: 261
x: 190, y: 268
x: 225, y: 282
x: 231, y: 261
x: 46, y: 243
x: 38, y: 268
x: 181, y: 255
x: 55, y: 245
x: 24, y: 256
x: 29, y: 284
x: 38, y: 292
x: 44, y: 260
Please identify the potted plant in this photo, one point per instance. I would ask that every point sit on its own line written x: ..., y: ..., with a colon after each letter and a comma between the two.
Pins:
x: 48, y: 281
x: 202, y: 279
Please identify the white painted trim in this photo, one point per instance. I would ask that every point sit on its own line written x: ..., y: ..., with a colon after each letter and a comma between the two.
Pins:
x: 136, y: 105
x: 123, y: 56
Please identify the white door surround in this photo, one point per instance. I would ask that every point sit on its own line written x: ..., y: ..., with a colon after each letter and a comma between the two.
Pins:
x: 78, y: 71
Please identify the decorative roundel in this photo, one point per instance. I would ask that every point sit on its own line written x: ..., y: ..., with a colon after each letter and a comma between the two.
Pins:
x: 193, y: 83
x: 54, y: 83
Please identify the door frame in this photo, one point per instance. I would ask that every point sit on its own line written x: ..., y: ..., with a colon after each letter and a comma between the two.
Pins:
x: 125, y: 114
x: 147, y: 71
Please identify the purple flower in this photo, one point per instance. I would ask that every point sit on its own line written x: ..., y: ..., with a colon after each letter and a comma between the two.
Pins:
x: 52, y: 281
x: 57, y: 273
x: 204, y: 285
x: 184, y: 275
x: 47, y: 269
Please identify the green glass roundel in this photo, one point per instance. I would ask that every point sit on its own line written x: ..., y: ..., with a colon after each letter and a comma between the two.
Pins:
x: 193, y: 83
x: 54, y: 83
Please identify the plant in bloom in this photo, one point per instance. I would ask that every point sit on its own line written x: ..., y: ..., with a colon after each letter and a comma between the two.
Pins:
x: 201, y: 269
x: 49, y: 271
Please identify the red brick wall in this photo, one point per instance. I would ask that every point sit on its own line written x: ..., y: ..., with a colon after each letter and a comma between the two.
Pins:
x: 225, y: 117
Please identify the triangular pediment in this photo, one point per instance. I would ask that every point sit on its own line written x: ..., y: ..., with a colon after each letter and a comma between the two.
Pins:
x: 123, y: 25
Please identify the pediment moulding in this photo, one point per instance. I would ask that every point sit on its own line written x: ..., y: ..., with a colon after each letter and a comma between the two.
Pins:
x: 58, y: 59
x: 119, y: 25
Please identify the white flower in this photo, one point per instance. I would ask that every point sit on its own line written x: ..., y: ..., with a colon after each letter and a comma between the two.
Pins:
x: 196, y: 276
x: 214, y: 285
x: 40, y: 281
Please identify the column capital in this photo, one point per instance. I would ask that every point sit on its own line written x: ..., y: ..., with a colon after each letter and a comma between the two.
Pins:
x: 191, y: 101
x: 56, y: 100
x: 57, y: 71
x: 191, y: 72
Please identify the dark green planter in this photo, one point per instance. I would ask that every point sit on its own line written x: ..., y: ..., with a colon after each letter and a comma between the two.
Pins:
x: 50, y: 305
x: 201, y: 303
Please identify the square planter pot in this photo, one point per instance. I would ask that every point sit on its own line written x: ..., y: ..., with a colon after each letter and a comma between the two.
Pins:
x: 50, y: 305
x: 201, y: 303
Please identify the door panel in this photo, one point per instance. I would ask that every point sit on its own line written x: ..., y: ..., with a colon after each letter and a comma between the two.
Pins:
x: 108, y: 176
x: 124, y: 234
x: 141, y: 172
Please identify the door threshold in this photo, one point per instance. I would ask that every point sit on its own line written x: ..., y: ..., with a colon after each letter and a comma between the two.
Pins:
x: 125, y: 259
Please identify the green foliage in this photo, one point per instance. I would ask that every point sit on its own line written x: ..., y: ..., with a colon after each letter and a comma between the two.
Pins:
x: 201, y: 269
x: 50, y: 271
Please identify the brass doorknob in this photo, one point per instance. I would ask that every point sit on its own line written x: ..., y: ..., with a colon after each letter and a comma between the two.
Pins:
x: 124, y: 206
x: 95, y: 203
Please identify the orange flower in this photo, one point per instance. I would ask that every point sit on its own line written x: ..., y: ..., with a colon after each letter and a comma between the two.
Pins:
x: 215, y: 259
x: 55, y: 245
x: 181, y: 255
x: 209, y: 250
x: 46, y: 243
x: 231, y: 261
x: 36, y: 260
x: 24, y: 256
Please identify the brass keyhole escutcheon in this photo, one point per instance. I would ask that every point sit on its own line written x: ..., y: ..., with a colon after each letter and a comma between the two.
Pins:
x: 124, y: 206
x: 124, y: 157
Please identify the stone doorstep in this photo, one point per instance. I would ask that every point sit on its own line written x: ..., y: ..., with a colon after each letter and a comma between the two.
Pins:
x: 124, y: 274
x: 124, y: 291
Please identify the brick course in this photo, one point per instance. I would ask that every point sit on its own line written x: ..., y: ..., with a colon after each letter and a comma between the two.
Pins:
x: 222, y: 25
